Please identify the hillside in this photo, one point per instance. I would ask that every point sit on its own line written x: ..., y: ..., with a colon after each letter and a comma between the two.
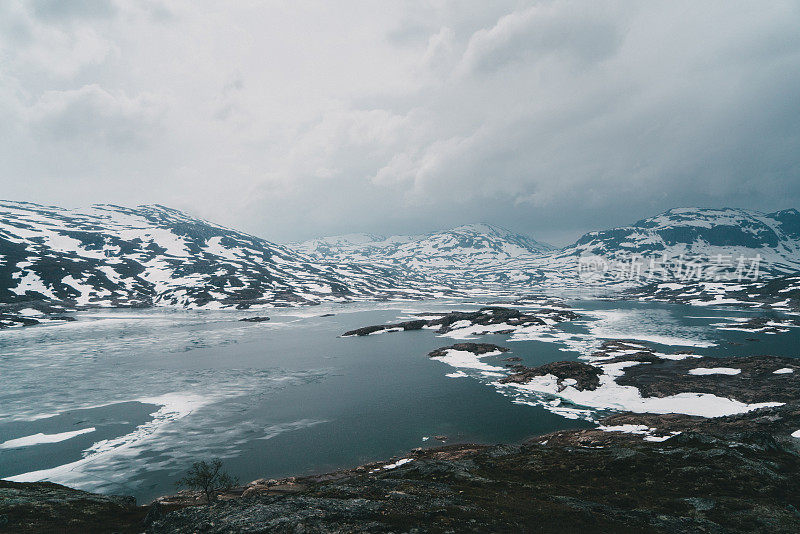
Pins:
x: 152, y: 255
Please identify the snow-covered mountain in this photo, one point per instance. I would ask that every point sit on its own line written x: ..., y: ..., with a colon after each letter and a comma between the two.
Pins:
x: 699, y: 231
x: 459, y: 255
x: 696, y: 242
x: 690, y: 243
x: 361, y: 248
x: 152, y: 255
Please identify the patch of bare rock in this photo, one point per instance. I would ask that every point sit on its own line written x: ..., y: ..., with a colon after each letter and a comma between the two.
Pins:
x: 497, y: 316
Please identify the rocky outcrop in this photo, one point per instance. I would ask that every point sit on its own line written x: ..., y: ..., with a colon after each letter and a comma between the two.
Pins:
x: 48, y: 507
x: 629, y: 376
x: 780, y: 293
x: 764, y: 324
x: 752, y: 379
x: 498, y: 315
x: 256, y: 319
x: 33, y: 313
x: 777, y: 424
x: 582, y: 375
x: 417, y: 324
x: 12, y: 319
x: 497, y: 319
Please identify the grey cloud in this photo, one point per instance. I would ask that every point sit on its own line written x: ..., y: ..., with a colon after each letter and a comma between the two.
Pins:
x: 573, y: 31
x: 60, y: 10
x: 548, y: 117
x: 621, y: 138
x: 91, y: 116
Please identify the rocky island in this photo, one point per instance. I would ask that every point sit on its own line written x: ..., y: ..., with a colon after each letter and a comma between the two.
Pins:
x: 490, y: 319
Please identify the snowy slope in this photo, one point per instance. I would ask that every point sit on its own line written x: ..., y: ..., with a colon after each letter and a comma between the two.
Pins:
x: 699, y: 231
x: 465, y: 255
x: 696, y: 242
x: 152, y: 255
x: 353, y: 247
x: 681, y: 243
x: 472, y: 245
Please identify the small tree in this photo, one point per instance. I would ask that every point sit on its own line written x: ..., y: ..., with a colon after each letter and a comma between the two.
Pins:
x: 209, y: 478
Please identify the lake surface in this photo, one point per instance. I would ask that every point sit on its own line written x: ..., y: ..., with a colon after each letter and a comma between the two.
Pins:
x: 123, y: 401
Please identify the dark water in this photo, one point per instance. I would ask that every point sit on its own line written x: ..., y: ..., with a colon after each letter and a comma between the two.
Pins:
x: 289, y: 396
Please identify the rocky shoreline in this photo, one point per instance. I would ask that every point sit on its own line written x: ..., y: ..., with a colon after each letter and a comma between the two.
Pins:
x: 780, y: 293
x: 727, y: 474
x: 575, y: 481
x: 33, y: 313
x: 748, y: 379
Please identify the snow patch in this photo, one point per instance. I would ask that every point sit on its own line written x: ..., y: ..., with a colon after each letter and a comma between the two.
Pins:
x: 467, y: 360
x: 398, y: 463
x: 610, y: 395
x: 173, y: 406
x: 37, y: 439
x: 714, y: 371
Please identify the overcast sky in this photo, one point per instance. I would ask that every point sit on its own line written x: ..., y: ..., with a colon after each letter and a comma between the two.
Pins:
x: 296, y: 119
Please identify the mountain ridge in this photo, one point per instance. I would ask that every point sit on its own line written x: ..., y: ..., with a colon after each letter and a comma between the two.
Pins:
x: 154, y: 255
x: 110, y: 255
x: 478, y: 237
x: 701, y: 234
x: 679, y: 238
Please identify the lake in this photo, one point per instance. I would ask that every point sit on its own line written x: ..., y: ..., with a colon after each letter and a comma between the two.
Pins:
x: 123, y: 401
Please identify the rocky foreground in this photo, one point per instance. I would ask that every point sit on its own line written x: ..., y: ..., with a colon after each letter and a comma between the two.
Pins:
x: 48, y: 507
x: 729, y: 474
x: 721, y: 478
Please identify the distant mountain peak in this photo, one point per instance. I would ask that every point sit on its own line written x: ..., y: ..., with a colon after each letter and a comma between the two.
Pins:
x: 464, y: 250
x: 482, y: 228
